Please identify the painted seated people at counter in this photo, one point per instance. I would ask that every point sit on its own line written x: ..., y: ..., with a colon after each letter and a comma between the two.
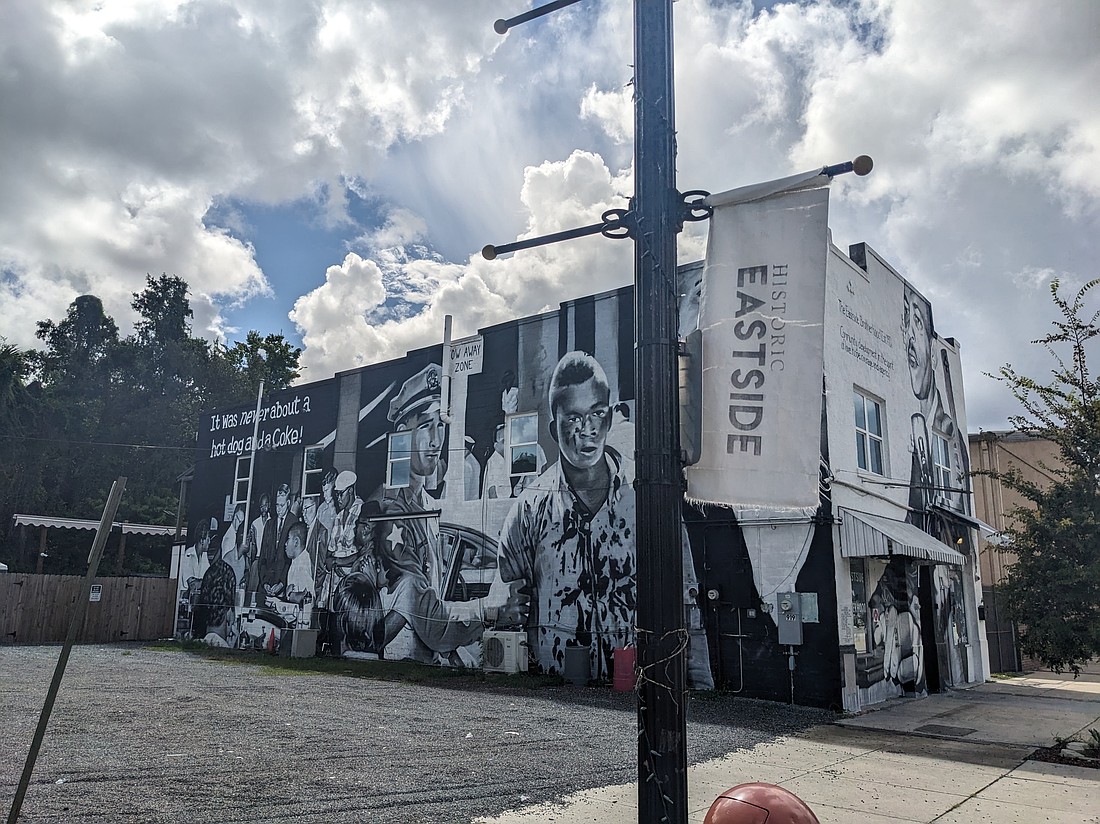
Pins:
x: 235, y: 546
x: 935, y: 439
x: 196, y: 560
x: 269, y: 571
x: 326, y: 507
x: 256, y: 531
x: 212, y: 622
x: 419, y: 434
x: 569, y: 539
x: 298, y: 595
x: 316, y: 535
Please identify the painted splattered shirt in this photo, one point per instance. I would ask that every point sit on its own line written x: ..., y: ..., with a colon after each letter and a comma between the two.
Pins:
x: 578, y: 566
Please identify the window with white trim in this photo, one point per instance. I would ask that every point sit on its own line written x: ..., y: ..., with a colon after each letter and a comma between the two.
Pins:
x: 240, y: 483
x: 399, y: 459
x: 869, y: 425
x: 523, y: 444
x: 313, y: 471
x: 941, y: 465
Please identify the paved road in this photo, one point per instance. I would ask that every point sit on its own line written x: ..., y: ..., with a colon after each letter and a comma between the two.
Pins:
x: 145, y: 735
x: 954, y: 758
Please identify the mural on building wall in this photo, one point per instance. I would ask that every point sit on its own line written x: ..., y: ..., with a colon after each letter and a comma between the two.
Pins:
x: 508, y: 503
x: 952, y: 635
x: 499, y: 495
x: 896, y: 661
x: 251, y: 571
x: 940, y: 457
x: 919, y: 420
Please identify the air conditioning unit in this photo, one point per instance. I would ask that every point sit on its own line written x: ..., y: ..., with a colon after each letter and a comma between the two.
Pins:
x: 504, y: 651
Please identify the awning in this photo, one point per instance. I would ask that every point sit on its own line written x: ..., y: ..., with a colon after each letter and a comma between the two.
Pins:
x: 78, y: 523
x: 988, y: 532
x: 863, y: 535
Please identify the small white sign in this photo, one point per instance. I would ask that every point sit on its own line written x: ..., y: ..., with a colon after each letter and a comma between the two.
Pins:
x: 96, y: 593
x: 467, y: 356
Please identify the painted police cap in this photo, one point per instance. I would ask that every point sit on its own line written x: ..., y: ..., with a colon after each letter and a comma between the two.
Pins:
x: 417, y: 393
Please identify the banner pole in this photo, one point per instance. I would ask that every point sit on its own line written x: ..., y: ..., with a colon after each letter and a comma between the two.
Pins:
x: 662, y: 727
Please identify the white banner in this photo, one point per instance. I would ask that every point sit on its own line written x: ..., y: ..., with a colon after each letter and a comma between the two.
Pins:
x: 761, y: 314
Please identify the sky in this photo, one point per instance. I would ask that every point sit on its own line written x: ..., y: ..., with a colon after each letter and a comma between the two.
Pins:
x: 330, y: 169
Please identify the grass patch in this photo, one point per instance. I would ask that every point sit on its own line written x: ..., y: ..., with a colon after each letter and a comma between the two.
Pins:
x: 407, y: 672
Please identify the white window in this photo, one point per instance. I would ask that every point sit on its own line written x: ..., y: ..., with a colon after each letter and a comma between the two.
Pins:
x: 941, y: 465
x: 523, y: 444
x: 868, y: 434
x: 399, y: 466
x: 240, y: 484
x: 312, y: 471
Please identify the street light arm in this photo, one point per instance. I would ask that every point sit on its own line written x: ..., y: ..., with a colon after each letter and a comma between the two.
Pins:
x: 501, y: 26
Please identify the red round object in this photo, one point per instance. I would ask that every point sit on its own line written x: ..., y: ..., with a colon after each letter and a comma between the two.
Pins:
x: 759, y: 803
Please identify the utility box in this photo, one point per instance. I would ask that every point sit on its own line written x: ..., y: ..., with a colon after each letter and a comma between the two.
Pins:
x: 298, y: 643
x: 788, y: 618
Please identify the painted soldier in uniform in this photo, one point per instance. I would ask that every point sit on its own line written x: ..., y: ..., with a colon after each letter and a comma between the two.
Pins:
x: 415, y: 461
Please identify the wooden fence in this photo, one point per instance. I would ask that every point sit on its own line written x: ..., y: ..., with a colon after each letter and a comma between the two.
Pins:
x: 36, y: 609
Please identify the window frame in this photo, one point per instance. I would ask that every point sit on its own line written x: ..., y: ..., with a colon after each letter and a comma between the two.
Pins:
x: 941, y: 471
x: 864, y: 451
x: 404, y: 458
x: 319, y: 471
x: 509, y: 444
x: 238, y: 479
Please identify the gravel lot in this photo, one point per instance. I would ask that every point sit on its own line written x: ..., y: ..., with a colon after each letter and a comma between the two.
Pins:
x: 141, y: 734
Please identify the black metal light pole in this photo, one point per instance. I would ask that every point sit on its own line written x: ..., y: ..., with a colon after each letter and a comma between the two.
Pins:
x: 653, y: 222
x: 662, y: 729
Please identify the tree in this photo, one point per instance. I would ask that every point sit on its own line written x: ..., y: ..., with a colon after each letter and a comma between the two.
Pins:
x: 164, y: 309
x: 89, y: 407
x: 79, y: 347
x: 15, y: 367
x: 270, y: 359
x: 1053, y: 588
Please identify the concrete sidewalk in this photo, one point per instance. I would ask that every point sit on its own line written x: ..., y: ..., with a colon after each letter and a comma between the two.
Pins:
x: 955, y: 758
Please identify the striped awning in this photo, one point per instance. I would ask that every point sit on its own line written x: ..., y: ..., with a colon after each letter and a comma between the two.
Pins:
x: 80, y: 523
x: 863, y: 535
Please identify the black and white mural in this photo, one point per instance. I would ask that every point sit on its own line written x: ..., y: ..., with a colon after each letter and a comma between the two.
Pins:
x: 908, y: 620
x: 488, y: 483
x: 940, y: 466
x: 260, y: 509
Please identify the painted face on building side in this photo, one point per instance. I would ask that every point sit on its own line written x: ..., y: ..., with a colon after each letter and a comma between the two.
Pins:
x: 918, y: 345
x: 582, y: 419
x: 428, y: 435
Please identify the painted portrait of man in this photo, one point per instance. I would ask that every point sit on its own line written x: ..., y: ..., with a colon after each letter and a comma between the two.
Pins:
x: 940, y: 462
x: 569, y: 541
x: 415, y: 469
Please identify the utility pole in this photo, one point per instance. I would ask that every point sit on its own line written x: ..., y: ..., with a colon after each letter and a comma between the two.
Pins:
x: 662, y: 640
x: 76, y: 621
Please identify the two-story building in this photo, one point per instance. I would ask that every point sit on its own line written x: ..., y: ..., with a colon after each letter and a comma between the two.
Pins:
x: 403, y: 507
